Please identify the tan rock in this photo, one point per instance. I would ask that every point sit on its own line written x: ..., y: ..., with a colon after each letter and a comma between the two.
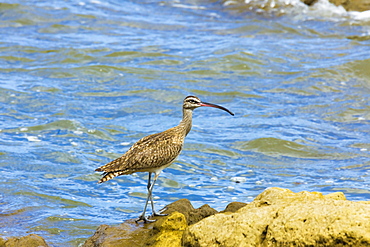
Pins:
x: 233, y: 207
x: 279, y: 217
x: 2, y: 242
x: 31, y: 240
x: 353, y: 5
x: 166, y: 231
x: 349, y: 5
x: 191, y: 214
x: 170, y: 230
x: 126, y: 234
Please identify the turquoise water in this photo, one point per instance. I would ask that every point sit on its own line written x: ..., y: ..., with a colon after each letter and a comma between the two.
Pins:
x: 82, y: 81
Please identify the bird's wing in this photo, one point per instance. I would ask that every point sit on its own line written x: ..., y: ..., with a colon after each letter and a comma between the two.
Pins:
x: 149, y: 152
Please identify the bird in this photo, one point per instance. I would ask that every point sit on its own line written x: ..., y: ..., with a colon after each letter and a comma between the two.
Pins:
x: 155, y: 152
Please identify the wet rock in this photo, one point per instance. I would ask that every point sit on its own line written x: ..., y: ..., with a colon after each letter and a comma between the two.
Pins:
x: 126, y: 234
x: 233, y: 207
x: 278, y: 6
x: 169, y: 230
x: 353, y: 5
x: 31, y: 240
x: 349, y: 5
x: 166, y: 231
x: 2, y: 242
x: 191, y: 214
x: 279, y: 217
x: 309, y: 2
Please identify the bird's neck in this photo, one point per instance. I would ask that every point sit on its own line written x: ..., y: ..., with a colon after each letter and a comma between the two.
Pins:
x: 187, y: 115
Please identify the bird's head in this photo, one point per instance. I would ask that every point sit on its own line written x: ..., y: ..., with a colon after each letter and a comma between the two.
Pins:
x: 192, y: 102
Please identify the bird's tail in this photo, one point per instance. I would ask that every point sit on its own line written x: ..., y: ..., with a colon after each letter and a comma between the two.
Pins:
x: 109, y: 175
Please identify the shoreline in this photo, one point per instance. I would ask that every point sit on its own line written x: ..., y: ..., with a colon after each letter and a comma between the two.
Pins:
x: 276, y: 217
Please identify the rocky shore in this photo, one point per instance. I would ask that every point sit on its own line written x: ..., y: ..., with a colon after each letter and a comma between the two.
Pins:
x: 276, y: 217
x: 31, y: 240
x: 353, y: 5
x: 348, y: 5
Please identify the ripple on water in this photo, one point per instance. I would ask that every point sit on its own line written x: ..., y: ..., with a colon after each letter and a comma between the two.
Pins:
x: 277, y: 147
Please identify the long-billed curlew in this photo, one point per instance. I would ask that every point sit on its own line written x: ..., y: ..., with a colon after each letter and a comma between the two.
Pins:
x: 155, y: 152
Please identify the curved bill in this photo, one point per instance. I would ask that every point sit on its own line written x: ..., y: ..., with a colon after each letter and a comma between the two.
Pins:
x: 216, y: 106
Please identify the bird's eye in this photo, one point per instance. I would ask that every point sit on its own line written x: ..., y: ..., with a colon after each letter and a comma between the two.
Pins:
x: 192, y: 101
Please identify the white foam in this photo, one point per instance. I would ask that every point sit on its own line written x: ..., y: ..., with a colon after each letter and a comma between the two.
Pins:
x: 239, y: 179
x: 360, y: 16
x: 323, y: 8
x: 299, y: 10
x: 33, y: 138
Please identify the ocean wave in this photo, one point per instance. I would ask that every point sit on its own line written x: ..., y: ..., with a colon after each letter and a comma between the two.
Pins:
x: 302, y: 10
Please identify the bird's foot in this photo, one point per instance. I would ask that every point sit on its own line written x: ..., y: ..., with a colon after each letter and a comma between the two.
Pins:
x: 147, y: 220
x: 160, y: 212
x: 144, y: 219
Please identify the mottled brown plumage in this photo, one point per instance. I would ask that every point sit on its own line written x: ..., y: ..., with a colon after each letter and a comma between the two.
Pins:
x: 149, y: 154
x: 155, y: 152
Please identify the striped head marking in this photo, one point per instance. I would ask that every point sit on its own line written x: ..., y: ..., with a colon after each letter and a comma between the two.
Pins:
x: 192, y: 102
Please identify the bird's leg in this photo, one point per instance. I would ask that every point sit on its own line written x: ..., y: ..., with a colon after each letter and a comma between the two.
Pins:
x: 151, y: 199
x: 150, y: 188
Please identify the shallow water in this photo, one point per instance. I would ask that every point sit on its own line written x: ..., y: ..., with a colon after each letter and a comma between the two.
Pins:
x: 81, y: 82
